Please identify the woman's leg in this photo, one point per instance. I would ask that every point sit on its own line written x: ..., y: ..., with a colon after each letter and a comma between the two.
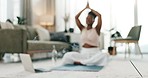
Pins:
x: 99, y: 59
x: 71, y: 58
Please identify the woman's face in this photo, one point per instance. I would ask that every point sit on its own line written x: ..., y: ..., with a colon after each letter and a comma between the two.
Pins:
x: 89, y: 20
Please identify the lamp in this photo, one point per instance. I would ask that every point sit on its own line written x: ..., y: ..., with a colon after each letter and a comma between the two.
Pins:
x: 46, y: 21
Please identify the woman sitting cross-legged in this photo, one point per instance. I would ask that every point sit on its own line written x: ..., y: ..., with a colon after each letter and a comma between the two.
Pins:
x: 90, y: 53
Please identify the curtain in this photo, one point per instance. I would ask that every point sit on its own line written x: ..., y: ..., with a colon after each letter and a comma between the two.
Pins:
x: 41, y: 8
x: 50, y: 4
x: 27, y: 11
x: 50, y: 9
x: 9, y: 9
x: 3, y: 10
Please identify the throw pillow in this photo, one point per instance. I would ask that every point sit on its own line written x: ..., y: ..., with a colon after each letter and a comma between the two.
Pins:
x: 6, y: 25
x: 42, y: 33
x: 58, y: 36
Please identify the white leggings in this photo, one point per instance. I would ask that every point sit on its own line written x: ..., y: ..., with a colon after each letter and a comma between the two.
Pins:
x: 87, y: 56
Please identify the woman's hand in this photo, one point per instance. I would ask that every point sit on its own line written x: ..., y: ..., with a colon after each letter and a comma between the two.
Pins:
x: 87, y: 6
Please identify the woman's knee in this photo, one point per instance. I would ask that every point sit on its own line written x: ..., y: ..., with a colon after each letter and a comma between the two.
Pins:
x: 70, y: 54
x: 69, y: 57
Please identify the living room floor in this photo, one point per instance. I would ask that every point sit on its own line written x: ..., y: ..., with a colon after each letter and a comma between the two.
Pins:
x: 118, y: 67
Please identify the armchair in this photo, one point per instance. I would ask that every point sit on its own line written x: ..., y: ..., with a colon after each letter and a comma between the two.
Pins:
x: 133, y: 37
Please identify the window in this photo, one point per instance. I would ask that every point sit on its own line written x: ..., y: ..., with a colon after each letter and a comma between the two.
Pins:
x: 122, y: 15
x: 9, y: 9
x: 3, y: 10
x: 16, y: 9
x: 142, y: 20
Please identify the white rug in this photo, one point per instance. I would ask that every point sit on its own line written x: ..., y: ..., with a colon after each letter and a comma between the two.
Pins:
x: 118, y: 67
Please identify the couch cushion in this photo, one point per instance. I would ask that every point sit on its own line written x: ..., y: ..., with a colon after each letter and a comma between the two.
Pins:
x: 46, y: 46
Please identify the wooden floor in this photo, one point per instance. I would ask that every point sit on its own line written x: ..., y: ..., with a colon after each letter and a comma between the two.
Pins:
x: 118, y: 67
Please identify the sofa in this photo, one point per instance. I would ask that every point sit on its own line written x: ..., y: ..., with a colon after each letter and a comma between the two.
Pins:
x: 27, y: 39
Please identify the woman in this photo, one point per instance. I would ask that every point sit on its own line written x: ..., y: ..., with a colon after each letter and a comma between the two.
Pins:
x: 90, y: 53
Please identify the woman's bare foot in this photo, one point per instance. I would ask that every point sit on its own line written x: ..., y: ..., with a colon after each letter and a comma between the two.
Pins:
x: 78, y: 63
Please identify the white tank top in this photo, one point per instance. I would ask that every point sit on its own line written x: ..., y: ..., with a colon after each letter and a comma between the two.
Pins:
x: 90, y: 37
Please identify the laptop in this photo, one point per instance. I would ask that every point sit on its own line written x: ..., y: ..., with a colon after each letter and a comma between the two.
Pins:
x: 28, y: 65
